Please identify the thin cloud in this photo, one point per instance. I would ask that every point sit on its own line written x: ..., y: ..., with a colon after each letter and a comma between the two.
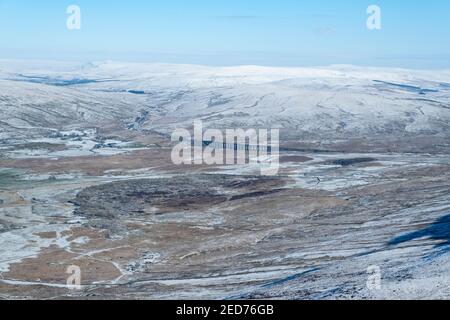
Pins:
x: 324, y: 31
x: 237, y: 17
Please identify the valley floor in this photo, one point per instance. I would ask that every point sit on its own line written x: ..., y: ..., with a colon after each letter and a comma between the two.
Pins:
x: 139, y: 227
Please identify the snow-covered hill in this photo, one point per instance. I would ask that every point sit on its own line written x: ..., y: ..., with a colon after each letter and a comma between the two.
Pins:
x: 336, y: 101
x: 86, y: 180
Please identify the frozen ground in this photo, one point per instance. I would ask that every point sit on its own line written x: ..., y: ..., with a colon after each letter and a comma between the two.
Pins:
x: 86, y: 179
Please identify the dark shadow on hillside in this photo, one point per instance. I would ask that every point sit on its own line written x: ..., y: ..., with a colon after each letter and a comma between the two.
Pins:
x: 438, y: 230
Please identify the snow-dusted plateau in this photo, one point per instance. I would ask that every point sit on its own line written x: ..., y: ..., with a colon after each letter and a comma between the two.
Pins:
x: 360, y: 208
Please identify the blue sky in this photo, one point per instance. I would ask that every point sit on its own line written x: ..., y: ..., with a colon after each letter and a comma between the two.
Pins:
x: 414, y: 33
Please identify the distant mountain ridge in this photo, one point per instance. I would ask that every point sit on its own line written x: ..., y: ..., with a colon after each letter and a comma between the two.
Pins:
x: 329, y: 102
